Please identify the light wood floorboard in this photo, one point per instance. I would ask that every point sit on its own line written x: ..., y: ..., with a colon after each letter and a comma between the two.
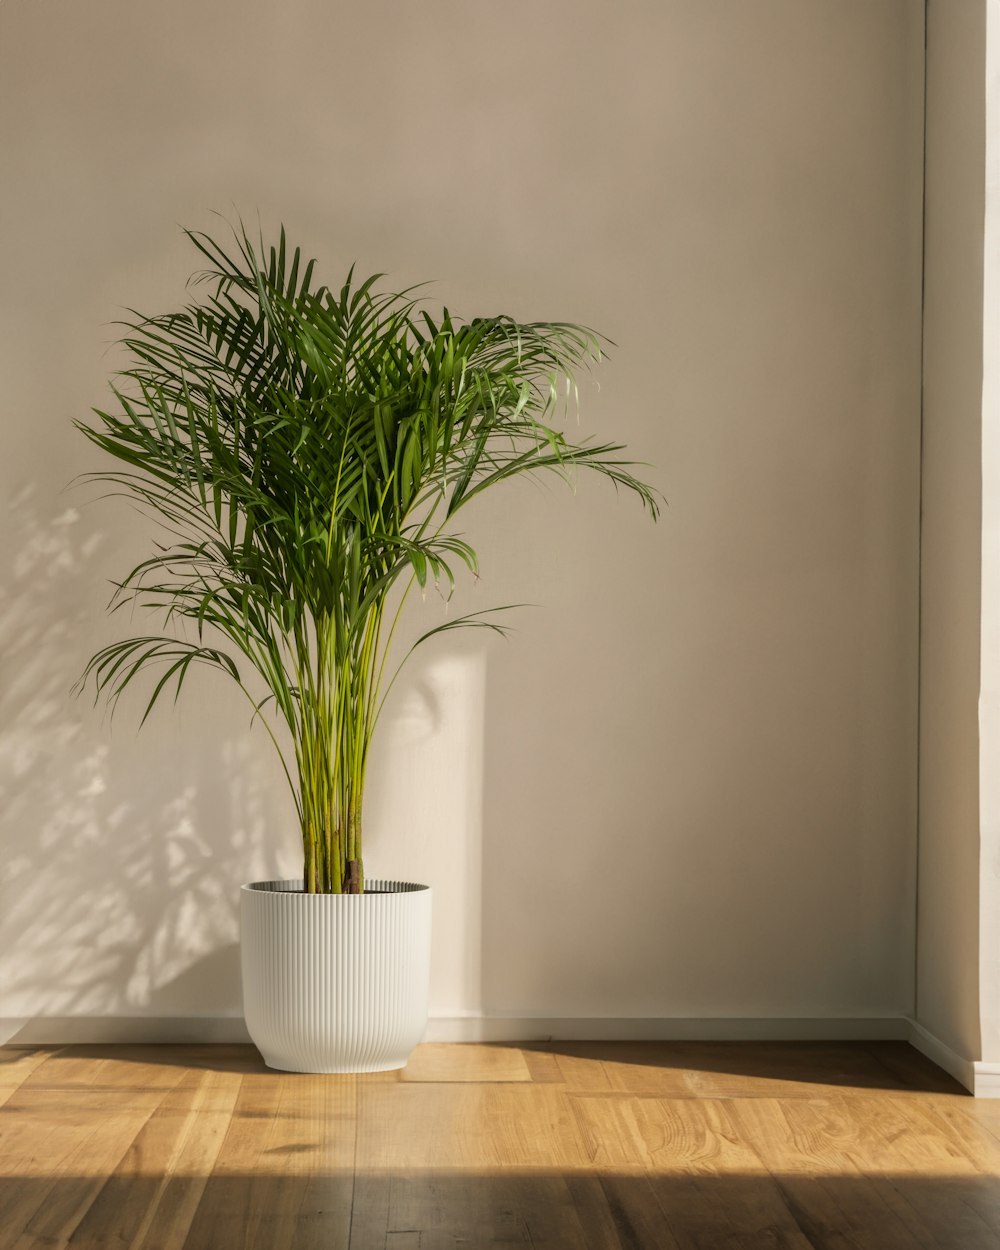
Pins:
x: 557, y: 1146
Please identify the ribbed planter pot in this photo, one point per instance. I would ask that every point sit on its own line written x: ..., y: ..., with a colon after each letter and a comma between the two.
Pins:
x: 335, y: 982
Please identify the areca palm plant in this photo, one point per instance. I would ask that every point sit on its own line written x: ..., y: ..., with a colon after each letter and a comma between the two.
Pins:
x: 306, y: 451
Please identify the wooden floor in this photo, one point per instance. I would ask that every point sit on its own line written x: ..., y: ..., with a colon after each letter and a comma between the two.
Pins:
x: 601, y: 1146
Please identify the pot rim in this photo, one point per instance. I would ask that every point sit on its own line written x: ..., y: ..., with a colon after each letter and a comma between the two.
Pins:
x: 380, y: 888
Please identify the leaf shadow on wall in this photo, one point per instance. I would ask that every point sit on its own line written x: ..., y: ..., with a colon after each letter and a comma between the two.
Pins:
x: 120, y: 868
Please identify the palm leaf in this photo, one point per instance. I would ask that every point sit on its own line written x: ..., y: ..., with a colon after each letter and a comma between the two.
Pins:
x: 306, y: 448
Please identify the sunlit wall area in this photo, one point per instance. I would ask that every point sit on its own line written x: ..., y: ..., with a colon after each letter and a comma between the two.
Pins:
x: 685, y: 786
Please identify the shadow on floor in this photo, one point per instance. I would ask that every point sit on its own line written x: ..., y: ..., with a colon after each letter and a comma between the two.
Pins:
x: 691, y: 1210
x: 886, y: 1066
x: 208, y: 1056
x: 857, y: 1065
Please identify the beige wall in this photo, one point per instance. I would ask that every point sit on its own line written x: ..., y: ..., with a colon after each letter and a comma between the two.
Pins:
x: 948, y: 924
x: 686, y: 785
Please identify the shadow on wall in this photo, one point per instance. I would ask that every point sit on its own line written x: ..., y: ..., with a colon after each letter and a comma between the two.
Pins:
x: 120, y: 870
x: 122, y: 860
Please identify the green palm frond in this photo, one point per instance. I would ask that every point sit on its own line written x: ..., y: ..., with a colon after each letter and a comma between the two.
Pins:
x: 304, y: 450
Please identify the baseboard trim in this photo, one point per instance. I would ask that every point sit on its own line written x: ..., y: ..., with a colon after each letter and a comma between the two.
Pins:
x: 965, y: 1071
x: 469, y: 1027
x: 986, y: 1079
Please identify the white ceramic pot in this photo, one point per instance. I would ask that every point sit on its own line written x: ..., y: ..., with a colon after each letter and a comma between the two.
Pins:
x: 335, y: 982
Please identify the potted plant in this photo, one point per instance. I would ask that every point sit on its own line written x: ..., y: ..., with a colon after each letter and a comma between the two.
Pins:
x: 307, y: 452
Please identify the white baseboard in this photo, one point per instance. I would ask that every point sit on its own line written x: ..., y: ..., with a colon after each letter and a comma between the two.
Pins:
x: 986, y: 1079
x: 467, y: 1027
x: 965, y: 1071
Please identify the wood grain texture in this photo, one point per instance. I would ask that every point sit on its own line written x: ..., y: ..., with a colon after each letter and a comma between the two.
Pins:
x: 556, y: 1146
